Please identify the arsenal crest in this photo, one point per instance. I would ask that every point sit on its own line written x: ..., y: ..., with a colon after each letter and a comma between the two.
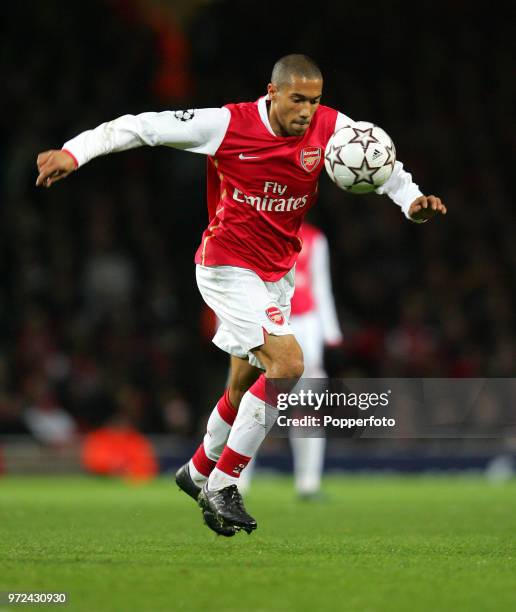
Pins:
x: 310, y: 158
x: 275, y: 315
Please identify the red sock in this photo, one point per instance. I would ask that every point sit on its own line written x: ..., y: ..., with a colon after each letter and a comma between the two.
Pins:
x: 226, y: 409
x: 231, y: 462
x: 219, y: 426
x: 202, y: 463
x: 256, y: 416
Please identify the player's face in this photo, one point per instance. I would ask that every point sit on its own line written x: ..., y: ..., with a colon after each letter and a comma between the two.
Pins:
x: 293, y: 105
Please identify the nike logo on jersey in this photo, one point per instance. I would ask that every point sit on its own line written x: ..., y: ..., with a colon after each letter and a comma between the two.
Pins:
x: 242, y: 156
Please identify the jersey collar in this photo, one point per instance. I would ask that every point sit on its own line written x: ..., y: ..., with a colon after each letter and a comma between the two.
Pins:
x: 264, y: 115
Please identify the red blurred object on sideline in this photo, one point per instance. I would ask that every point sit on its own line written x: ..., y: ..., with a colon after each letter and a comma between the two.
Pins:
x: 119, y: 451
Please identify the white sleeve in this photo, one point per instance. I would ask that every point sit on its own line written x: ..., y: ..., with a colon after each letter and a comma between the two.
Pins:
x: 399, y: 187
x: 322, y: 291
x: 199, y: 131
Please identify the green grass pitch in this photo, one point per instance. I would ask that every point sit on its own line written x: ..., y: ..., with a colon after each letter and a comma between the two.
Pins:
x: 376, y: 544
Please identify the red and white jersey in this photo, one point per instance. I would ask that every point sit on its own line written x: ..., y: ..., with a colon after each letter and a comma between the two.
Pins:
x: 260, y: 185
x: 313, y: 293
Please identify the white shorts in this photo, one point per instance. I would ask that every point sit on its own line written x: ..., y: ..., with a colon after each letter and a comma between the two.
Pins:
x: 245, y: 306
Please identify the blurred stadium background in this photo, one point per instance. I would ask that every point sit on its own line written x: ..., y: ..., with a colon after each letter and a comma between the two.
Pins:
x: 101, y: 323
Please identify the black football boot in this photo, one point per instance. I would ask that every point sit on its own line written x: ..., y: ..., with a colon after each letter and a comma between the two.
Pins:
x: 227, y: 506
x: 185, y: 483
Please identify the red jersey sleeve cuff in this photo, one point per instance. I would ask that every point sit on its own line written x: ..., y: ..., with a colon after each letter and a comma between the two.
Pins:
x: 334, y: 343
x: 72, y: 156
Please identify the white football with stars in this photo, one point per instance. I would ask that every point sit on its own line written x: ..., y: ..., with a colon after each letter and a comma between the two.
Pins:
x: 360, y: 157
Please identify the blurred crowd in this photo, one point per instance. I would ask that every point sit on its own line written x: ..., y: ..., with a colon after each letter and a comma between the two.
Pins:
x: 100, y: 319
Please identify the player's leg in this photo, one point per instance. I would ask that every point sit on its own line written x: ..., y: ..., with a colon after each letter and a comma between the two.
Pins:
x: 308, y: 452
x: 283, y: 359
x: 254, y: 325
x: 192, y: 476
x: 308, y: 457
x: 241, y: 376
x: 240, y: 379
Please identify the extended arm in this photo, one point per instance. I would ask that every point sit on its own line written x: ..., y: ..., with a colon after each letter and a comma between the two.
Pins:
x: 402, y: 190
x: 198, y: 131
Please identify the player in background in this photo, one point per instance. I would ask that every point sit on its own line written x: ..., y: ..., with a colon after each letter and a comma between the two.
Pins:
x: 264, y: 162
x: 313, y: 319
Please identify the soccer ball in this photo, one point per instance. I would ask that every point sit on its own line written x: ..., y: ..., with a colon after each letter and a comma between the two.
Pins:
x: 359, y: 157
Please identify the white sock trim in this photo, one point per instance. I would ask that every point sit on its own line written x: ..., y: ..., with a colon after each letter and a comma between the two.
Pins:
x: 198, y: 478
x: 220, y: 480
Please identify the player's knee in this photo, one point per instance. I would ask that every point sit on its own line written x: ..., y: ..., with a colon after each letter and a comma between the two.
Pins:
x: 287, y: 368
x: 298, y: 368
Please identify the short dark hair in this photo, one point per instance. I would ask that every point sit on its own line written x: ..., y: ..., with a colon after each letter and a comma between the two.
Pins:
x: 294, y: 64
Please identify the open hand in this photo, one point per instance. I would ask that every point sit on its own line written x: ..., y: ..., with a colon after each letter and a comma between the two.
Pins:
x: 425, y: 207
x: 54, y: 166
